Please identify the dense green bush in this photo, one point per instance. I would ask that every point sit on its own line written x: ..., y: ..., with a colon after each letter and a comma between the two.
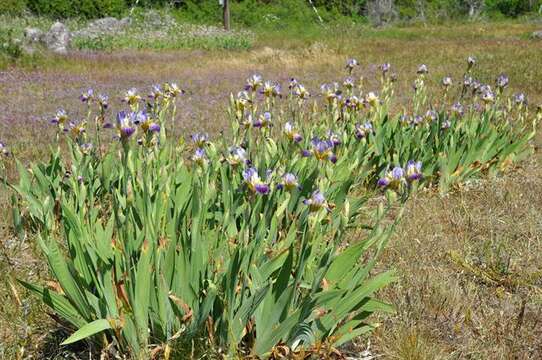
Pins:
x: 12, y: 7
x: 270, y: 13
x: 511, y: 8
x: 77, y: 8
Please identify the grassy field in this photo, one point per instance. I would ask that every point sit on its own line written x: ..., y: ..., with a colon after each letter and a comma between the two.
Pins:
x: 470, y: 262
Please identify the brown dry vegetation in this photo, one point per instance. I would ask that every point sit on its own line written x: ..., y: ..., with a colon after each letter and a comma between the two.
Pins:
x: 470, y: 263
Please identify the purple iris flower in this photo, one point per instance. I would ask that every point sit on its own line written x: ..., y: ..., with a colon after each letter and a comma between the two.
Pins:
x: 405, y: 119
x: 125, y: 124
x: 237, y: 155
x: 467, y: 81
x: 393, y: 177
x: 293, y: 83
x: 322, y: 149
x: 363, y: 130
x: 348, y: 83
x: 289, y: 182
x: 417, y: 120
x: 471, y: 61
x: 271, y: 89
x: 446, y: 81
x: 334, y: 138
x: 301, y: 92
x: 103, y: 101
x: 316, y: 202
x: 154, y: 127
x: 502, y: 81
x: 4, y: 149
x: 131, y: 97
x: 397, y: 173
x: 487, y: 94
x: 330, y: 91
x: 457, y: 109
x: 352, y: 102
x: 413, y: 170
x: 385, y: 68
x: 422, y: 69
x: 306, y: 153
x: 199, y: 157
x: 139, y: 117
x: 61, y: 117
x: 86, y: 148
x: 200, y: 139
x: 253, y: 181
x: 383, y: 182
x: 350, y: 64
x: 431, y: 115
x: 253, y: 82
x: 156, y: 92
x: 87, y: 96
x: 520, y: 99
x: 263, y: 120
x: 290, y: 132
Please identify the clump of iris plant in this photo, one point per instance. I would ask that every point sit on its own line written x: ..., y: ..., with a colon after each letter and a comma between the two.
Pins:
x: 254, y: 182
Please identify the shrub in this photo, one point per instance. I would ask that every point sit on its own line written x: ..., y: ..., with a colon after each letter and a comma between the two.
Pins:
x: 10, y: 47
x: 12, y: 7
x: 80, y: 8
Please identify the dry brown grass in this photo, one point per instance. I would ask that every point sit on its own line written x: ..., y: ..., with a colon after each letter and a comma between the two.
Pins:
x: 470, y: 263
x: 471, y: 273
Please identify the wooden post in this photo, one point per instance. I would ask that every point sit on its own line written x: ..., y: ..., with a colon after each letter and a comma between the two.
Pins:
x: 226, y: 13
